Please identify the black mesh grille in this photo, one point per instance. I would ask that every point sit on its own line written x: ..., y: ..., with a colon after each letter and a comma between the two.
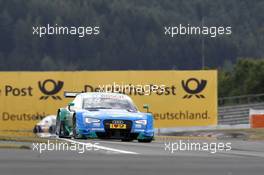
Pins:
x: 127, y: 122
x: 117, y: 133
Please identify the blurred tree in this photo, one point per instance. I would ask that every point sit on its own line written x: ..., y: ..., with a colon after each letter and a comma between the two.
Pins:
x: 131, y: 34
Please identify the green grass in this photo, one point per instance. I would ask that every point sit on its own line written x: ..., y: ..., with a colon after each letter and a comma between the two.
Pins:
x: 13, y: 146
x: 28, y: 136
x: 255, y: 134
x: 248, y: 134
x: 19, y: 136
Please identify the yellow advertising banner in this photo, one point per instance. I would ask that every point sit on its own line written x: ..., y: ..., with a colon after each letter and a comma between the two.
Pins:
x: 176, y: 98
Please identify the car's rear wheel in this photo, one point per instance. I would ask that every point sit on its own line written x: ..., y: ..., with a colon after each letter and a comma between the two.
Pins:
x: 35, y: 130
x: 57, y: 123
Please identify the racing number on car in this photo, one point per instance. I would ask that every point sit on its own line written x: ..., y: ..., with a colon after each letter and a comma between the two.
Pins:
x: 117, y: 126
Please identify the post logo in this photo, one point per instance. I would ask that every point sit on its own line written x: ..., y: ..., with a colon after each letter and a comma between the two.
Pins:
x: 50, y: 92
x: 191, y: 90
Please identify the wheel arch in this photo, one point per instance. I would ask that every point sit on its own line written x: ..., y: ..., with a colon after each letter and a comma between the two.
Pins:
x: 63, y: 114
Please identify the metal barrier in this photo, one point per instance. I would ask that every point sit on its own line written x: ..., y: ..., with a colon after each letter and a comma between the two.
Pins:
x: 242, y: 99
x: 236, y: 114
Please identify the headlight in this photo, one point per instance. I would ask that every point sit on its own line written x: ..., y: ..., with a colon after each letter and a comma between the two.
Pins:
x: 91, y: 120
x: 142, y: 122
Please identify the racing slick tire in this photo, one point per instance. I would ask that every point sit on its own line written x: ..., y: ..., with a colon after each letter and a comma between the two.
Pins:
x: 144, y: 140
x: 37, y: 129
x: 52, y: 129
x: 74, y: 130
x: 127, y: 140
x: 62, y: 130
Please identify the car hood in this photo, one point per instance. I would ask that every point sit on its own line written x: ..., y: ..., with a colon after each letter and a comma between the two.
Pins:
x: 114, y: 114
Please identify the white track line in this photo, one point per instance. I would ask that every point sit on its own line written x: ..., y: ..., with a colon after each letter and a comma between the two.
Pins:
x: 100, y: 147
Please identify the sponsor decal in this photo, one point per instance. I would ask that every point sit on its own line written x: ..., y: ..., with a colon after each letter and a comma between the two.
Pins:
x: 50, y: 93
x: 175, y: 98
x: 200, y: 86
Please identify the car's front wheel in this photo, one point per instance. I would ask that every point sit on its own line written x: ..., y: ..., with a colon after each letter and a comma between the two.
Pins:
x: 74, y: 130
x: 52, y: 129
x: 127, y: 140
x: 144, y: 140
x: 62, y: 130
x: 75, y: 133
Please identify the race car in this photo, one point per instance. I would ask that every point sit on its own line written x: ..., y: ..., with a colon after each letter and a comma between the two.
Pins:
x: 46, y: 125
x: 104, y: 116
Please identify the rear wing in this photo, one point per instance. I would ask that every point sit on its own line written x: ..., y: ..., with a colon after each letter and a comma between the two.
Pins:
x: 71, y: 94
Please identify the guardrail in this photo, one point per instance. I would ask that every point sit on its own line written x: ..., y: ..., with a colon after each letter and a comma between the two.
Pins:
x: 236, y: 114
x: 242, y: 99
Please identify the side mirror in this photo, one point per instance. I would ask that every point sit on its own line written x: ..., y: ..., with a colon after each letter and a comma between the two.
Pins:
x: 69, y: 105
x: 146, y: 106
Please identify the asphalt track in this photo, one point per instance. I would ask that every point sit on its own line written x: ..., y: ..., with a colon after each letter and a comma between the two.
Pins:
x: 114, y: 157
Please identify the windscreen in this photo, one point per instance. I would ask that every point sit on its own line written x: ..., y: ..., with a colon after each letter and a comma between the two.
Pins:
x: 108, y: 103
